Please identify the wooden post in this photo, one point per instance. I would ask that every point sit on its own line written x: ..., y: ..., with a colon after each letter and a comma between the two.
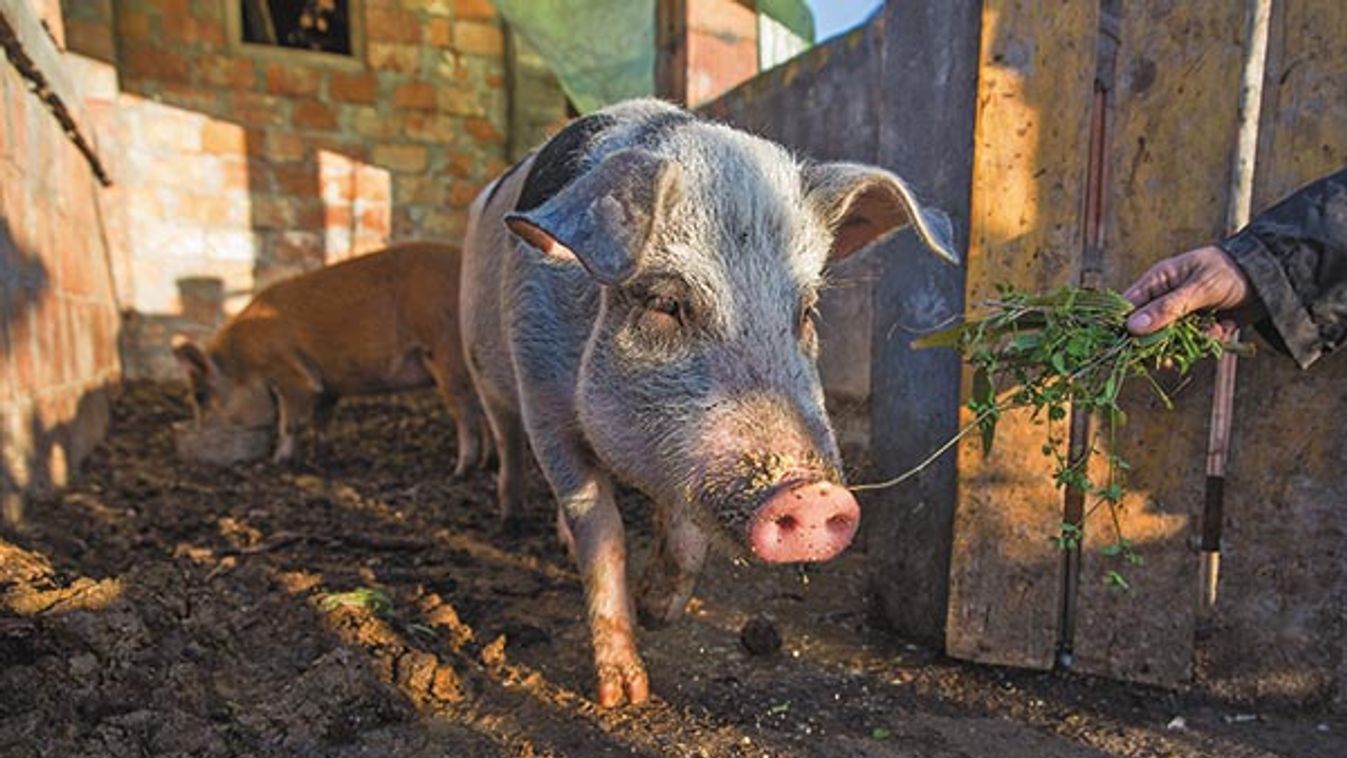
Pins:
x: 1036, y: 76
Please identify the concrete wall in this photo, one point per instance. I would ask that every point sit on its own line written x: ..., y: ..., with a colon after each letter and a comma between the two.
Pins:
x: 58, y: 302
x: 898, y: 93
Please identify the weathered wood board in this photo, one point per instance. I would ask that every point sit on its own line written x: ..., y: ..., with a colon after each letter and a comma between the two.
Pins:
x: 1277, y: 630
x: 925, y: 114
x: 1171, y: 129
x: 1036, y: 71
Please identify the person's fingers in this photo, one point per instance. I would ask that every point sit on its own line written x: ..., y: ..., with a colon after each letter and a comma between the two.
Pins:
x: 1161, y: 312
x: 1158, y: 279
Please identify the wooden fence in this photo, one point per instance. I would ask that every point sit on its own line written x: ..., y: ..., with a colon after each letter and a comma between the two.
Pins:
x: 1107, y: 137
x: 1077, y: 142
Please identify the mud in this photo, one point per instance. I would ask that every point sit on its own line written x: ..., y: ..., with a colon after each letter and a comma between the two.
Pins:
x: 366, y: 607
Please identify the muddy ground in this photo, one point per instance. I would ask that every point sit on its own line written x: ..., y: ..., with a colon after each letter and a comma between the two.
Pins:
x: 158, y: 608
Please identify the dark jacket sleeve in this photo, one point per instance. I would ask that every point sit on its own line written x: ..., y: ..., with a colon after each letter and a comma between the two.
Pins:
x: 1295, y: 255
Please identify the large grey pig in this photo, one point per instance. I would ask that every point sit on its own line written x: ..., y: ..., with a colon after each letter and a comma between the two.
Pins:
x: 638, y: 299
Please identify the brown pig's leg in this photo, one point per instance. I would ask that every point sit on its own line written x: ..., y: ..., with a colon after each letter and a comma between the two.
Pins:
x: 456, y: 390
x: 293, y: 409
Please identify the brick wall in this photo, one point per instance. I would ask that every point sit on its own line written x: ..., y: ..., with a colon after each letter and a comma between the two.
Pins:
x: 58, y: 261
x: 250, y: 164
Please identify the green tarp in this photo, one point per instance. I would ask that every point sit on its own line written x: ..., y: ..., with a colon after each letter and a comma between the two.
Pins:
x: 603, y: 51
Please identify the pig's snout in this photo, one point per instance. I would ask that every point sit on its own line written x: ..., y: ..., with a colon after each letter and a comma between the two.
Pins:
x: 804, y: 522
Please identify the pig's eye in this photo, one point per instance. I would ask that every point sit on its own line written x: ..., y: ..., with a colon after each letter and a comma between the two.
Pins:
x: 668, y: 310
x: 808, y: 319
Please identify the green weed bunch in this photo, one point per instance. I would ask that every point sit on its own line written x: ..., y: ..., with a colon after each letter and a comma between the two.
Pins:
x: 1070, y: 349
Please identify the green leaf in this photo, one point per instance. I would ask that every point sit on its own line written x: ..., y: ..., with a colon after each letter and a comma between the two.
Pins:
x: 881, y: 733
x: 1115, y: 579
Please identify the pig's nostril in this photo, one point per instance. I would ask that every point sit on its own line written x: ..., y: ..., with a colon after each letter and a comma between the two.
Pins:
x: 787, y: 523
x: 839, y: 523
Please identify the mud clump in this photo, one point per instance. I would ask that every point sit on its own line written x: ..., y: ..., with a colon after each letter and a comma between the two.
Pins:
x: 760, y: 635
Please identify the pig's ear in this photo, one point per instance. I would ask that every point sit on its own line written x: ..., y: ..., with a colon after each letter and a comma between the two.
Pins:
x: 605, y: 217
x: 200, y: 368
x: 863, y: 204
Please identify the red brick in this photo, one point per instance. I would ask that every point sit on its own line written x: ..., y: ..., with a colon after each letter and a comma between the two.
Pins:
x: 186, y: 30
x: 438, y: 32
x: 477, y: 38
x: 457, y: 164
x: 226, y: 71
x: 282, y: 147
x: 149, y: 63
x: 408, y: 158
x: 353, y: 88
x: 171, y: 7
x: 376, y: 217
x: 372, y: 184
x: 255, y: 109
x: 91, y: 39
x: 286, y: 79
x: 310, y: 114
x: 418, y: 189
x: 369, y: 122
x: 474, y: 9
x: 415, y: 95
x: 482, y: 130
x: 405, y: 59
x: 338, y: 216
x: 273, y: 212
x: 460, y: 101
x: 392, y: 25
x: 189, y: 96
x: 237, y: 175
x: 132, y: 25
x: 296, y: 180
x: 223, y: 138
x: 299, y: 247
x: 461, y: 193
x: 427, y: 128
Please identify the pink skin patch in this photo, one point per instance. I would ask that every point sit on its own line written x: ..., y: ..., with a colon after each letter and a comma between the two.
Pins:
x: 804, y: 522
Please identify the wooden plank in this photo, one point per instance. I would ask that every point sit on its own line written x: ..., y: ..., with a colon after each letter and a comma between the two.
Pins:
x: 930, y: 59
x: 1277, y: 629
x: 1036, y: 67
x: 1170, y: 140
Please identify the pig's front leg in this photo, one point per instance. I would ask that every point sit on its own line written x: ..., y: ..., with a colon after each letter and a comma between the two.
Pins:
x: 294, y: 408
x: 671, y: 574
x: 592, y: 519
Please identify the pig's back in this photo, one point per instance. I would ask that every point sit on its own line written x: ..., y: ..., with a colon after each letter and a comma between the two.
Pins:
x: 360, y: 322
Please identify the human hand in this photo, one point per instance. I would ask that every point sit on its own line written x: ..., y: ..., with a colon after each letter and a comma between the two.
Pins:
x: 1202, y: 279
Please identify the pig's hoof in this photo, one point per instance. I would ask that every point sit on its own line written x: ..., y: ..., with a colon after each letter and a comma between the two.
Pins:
x: 654, y: 613
x: 623, y: 683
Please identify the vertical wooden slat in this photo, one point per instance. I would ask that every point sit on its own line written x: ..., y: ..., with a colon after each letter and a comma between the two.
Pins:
x: 1036, y: 69
x: 1277, y: 629
x: 929, y: 59
x: 1172, y: 130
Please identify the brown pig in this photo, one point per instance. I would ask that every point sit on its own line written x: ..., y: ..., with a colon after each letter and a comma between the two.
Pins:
x: 377, y: 323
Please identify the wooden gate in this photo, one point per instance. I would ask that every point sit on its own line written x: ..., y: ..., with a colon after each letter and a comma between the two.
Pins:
x: 1106, y: 137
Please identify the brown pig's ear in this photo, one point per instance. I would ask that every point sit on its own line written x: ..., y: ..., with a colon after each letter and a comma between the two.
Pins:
x: 864, y: 204
x: 604, y: 218
x: 199, y: 366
